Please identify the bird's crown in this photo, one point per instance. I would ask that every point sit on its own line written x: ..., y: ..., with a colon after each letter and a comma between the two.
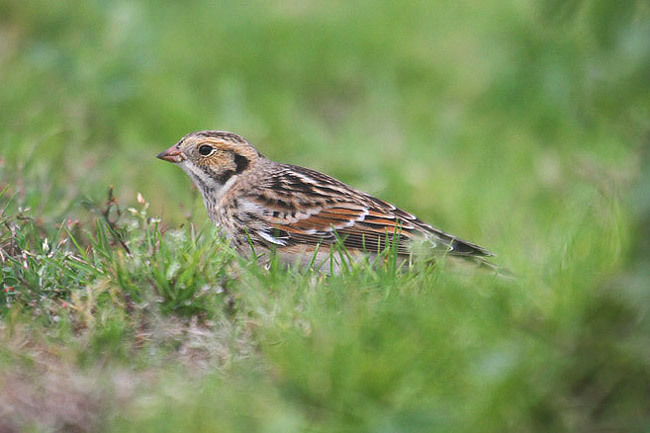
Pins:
x: 201, y: 145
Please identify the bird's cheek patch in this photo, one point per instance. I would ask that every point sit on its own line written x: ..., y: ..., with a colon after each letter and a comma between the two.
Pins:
x: 241, y: 163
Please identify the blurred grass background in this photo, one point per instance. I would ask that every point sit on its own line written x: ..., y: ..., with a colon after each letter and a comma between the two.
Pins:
x: 521, y: 125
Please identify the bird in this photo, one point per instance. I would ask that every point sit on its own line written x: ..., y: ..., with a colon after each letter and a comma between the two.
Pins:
x: 302, y: 216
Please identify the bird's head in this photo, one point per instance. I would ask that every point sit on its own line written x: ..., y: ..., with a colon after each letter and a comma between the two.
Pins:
x: 212, y: 158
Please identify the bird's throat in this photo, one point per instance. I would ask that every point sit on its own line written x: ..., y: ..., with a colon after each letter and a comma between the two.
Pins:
x: 212, y: 184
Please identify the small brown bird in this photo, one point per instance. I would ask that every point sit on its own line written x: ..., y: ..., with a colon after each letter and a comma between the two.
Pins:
x: 301, y: 214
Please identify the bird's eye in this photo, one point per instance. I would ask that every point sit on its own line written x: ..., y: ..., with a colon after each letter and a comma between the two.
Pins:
x: 206, y: 150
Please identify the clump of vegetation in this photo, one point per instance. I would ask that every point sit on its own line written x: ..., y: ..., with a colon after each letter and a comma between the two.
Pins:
x: 120, y: 256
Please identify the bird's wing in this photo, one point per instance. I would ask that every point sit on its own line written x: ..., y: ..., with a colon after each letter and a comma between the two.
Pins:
x: 299, y: 206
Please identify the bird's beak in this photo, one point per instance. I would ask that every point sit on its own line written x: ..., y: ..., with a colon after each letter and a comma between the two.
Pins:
x: 173, y: 154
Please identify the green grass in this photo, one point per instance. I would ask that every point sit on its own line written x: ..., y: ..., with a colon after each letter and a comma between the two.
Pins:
x: 521, y: 126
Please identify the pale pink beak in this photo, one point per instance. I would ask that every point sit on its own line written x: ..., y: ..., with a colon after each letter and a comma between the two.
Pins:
x: 173, y: 154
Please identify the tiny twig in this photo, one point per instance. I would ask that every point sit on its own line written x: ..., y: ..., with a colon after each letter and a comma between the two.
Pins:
x: 112, y: 225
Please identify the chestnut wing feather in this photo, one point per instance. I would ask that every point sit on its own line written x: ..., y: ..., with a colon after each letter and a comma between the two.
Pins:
x: 303, y: 206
